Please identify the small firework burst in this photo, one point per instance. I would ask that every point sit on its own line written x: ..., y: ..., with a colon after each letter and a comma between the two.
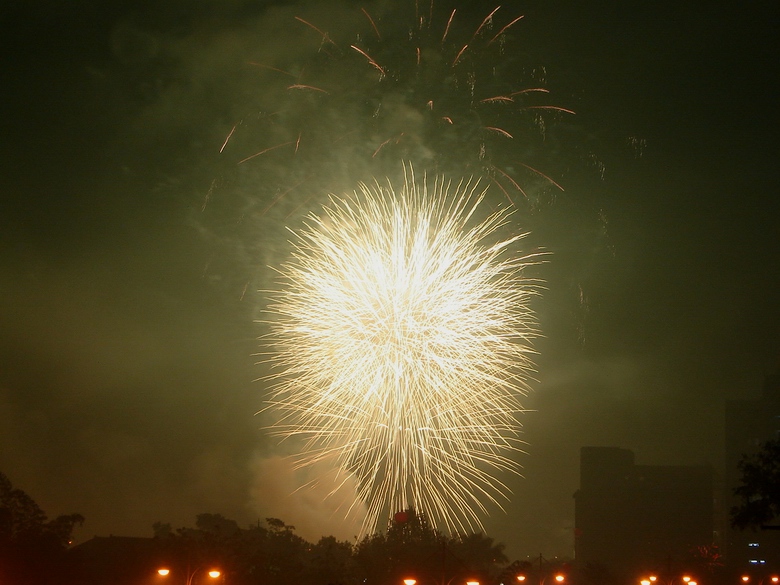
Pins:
x: 456, y: 95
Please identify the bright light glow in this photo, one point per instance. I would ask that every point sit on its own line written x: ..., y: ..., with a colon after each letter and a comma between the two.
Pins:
x: 401, y: 332
x: 560, y: 578
x: 745, y: 578
x: 410, y: 581
x: 686, y: 578
x: 163, y: 572
x: 521, y: 578
x: 214, y: 574
x: 472, y: 582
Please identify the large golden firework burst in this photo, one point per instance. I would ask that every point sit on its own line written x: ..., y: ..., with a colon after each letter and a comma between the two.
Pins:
x: 401, y: 331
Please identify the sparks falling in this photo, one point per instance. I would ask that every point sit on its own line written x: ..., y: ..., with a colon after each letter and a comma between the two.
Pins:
x: 401, y: 333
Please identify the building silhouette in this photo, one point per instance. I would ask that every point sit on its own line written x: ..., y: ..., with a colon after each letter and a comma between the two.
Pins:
x: 631, y: 519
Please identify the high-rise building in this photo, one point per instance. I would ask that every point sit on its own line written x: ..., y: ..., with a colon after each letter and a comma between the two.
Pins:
x: 631, y: 519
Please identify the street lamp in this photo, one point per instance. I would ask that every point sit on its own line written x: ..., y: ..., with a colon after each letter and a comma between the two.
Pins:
x: 559, y: 578
x: 773, y: 579
x: 213, y: 573
x: 655, y: 580
x: 410, y: 581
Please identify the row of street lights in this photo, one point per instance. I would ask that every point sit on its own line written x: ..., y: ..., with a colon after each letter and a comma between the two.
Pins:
x: 687, y: 580
x: 521, y: 580
x: 559, y: 578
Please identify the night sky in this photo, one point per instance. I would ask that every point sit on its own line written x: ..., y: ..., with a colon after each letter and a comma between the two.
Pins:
x: 130, y: 262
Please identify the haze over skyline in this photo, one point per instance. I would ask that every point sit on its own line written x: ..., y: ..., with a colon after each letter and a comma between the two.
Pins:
x: 128, y: 385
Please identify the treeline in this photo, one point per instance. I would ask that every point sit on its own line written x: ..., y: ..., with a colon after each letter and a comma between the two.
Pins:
x: 272, y: 553
x: 36, y: 550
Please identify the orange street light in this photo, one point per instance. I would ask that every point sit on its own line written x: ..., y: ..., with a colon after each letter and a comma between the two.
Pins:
x: 472, y: 582
x: 521, y: 578
x: 559, y: 578
x: 213, y: 573
x: 410, y: 581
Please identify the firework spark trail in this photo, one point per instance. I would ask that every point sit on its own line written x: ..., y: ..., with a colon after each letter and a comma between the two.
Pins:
x: 440, y: 90
x: 401, y: 335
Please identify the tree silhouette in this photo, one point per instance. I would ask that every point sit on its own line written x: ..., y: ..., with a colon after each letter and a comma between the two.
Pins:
x: 759, y: 491
x: 412, y: 548
x: 409, y: 548
x: 480, y: 556
x: 32, y: 548
x: 331, y: 563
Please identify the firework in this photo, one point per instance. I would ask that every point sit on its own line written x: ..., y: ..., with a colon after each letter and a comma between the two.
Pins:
x: 401, y: 332
x: 454, y: 92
